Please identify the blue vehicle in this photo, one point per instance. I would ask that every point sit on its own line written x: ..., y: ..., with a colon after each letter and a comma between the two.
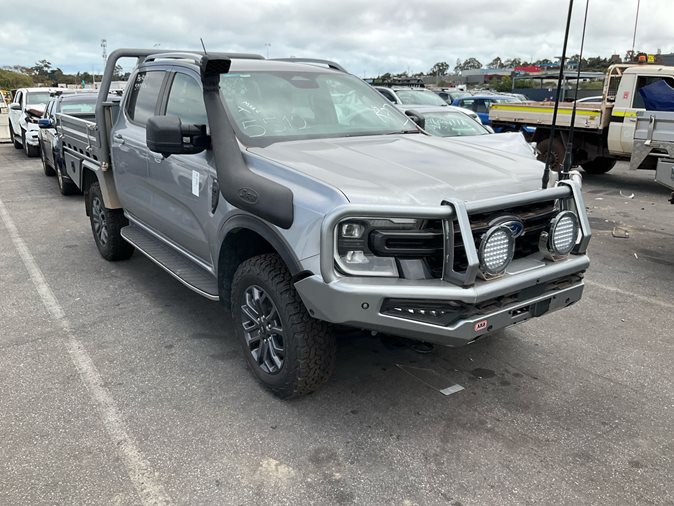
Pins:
x: 480, y: 104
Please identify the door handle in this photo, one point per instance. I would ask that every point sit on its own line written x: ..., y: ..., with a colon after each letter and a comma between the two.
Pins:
x: 157, y: 157
x: 118, y: 139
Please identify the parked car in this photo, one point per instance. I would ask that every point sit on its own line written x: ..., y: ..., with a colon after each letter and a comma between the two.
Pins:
x: 81, y: 105
x: 27, y: 107
x: 450, y: 95
x: 404, y: 96
x: 480, y: 104
x: 446, y: 122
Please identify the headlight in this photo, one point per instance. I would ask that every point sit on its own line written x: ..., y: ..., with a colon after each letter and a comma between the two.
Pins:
x: 354, y: 254
x: 563, y: 233
x: 497, y: 248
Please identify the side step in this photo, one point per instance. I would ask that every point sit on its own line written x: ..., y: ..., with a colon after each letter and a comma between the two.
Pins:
x: 173, y: 262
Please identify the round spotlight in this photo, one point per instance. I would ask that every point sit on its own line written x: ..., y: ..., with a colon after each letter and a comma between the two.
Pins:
x: 563, y: 233
x: 496, y: 250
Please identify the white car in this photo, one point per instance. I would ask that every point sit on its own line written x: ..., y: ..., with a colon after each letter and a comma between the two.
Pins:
x: 26, y: 108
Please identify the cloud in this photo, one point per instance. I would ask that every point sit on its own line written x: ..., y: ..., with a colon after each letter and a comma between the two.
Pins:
x: 367, y: 37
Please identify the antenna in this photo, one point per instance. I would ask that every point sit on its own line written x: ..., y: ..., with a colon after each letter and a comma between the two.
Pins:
x: 203, y: 45
x: 546, y: 171
x: 564, y: 174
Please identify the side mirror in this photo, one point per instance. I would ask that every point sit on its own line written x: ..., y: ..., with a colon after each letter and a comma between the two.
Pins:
x: 45, y: 123
x: 417, y: 118
x: 15, y: 107
x: 168, y: 136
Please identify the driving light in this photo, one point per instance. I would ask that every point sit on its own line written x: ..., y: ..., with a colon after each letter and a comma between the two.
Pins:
x: 563, y: 233
x: 496, y: 250
x: 352, y: 230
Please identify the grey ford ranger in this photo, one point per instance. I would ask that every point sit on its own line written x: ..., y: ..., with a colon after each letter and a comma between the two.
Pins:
x: 298, y: 196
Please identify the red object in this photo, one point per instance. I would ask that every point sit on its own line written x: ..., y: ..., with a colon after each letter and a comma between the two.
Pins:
x: 530, y: 69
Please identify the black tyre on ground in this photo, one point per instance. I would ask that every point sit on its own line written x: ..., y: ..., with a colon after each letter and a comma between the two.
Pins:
x: 599, y: 165
x: 66, y: 187
x: 288, y: 351
x: 31, y: 151
x: 17, y: 144
x: 556, y: 148
x: 48, y: 170
x: 106, y: 224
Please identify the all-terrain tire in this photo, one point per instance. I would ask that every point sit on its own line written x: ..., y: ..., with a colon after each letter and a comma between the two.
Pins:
x: 556, y: 148
x: 599, y: 165
x: 48, y: 170
x: 309, y: 348
x: 106, y: 225
x: 16, y: 143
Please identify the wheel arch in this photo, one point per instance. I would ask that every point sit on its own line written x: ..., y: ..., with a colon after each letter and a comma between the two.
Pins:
x: 245, y: 236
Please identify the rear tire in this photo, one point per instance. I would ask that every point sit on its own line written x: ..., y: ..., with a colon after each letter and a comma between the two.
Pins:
x: 48, y: 170
x: 556, y: 148
x: 66, y: 187
x: 599, y: 165
x: 288, y: 351
x: 106, y: 225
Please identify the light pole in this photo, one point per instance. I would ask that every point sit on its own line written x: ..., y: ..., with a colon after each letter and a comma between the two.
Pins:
x: 636, y: 20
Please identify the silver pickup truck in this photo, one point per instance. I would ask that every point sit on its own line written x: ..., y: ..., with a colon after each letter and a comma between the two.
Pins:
x: 300, y: 198
x: 654, y: 137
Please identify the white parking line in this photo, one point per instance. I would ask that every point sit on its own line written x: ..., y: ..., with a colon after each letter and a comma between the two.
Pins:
x: 645, y: 298
x: 143, y: 477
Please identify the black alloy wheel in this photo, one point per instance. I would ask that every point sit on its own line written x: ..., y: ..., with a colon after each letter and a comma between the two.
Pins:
x: 98, y: 221
x: 262, y: 329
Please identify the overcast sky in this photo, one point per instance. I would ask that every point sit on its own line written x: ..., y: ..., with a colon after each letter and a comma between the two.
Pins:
x: 367, y: 37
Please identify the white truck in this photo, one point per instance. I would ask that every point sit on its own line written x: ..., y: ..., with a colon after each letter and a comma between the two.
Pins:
x: 654, y: 138
x: 604, y: 131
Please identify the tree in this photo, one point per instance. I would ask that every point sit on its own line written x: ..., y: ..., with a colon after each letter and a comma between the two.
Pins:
x: 41, y: 68
x: 458, y: 65
x: 12, y: 80
x: 496, y: 63
x: 118, y: 74
x: 512, y: 63
x: 439, y: 69
x: 471, y: 64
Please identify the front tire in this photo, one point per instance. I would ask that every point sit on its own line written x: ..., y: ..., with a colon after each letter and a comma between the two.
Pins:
x: 31, y: 151
x: 17, y: 144
x: 288, y: 351
x: 66, y: 187
x: 599, y: 165
x: 106, y: 225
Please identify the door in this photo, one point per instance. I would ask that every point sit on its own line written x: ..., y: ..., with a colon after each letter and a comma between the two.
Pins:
x: 47, y: 134
x: 15, y: 115
x: 182, y: 184
x: 128, y: 148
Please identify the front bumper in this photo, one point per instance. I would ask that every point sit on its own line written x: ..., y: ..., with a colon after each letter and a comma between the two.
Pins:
x: 358, y: 302
x: 459, y: 307
x: 32, y: 137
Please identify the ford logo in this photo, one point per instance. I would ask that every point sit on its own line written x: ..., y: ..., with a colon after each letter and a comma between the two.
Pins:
x: 513, y: 223
x: 248, y: 195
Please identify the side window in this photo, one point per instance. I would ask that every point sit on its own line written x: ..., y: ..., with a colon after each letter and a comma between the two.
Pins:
x: 18, y: 97
x: 388, y: 95
x: 481, y: 106
x: 468, y: 104
x: 637, y: 100
x: 144, y: 94
x: 186, y: 100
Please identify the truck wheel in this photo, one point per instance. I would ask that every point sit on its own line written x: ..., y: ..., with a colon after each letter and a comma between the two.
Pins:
x: 556, y: 148
x: 106, y: 224
x: 17, y: 144
x: 289, y: 352
x: 599, y: 165
x: 66, y: 187
x: 48, y: 171
x: 31, y: 151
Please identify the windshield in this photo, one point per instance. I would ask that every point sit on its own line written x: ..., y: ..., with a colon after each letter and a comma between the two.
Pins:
x: 37, y: 97
x: 85, y: 104
x: 459, y: 94
x: 452, y: 124
x: 267, y: 107
x: 419, y: 97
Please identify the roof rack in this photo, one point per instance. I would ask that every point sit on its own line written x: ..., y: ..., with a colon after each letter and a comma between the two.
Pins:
x: 330, y: 64
x: 195, y: 56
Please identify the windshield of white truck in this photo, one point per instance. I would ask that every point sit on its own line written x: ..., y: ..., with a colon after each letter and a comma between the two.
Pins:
x: 419, y: 97
x: 37, y: 97
x: 452, y: 124
x: 267, y: 107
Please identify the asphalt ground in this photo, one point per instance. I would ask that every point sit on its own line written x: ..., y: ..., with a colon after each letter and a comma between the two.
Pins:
x: 120, y: 386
